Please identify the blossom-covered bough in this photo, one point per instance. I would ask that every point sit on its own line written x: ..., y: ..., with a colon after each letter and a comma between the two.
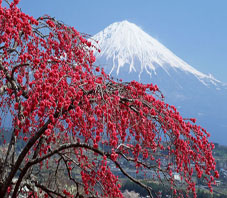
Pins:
x: 75, y: 125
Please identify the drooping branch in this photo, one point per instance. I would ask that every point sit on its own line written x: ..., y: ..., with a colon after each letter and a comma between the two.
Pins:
x: 49, y: 191
x: 22, y: 156
x: 56, y: 97
x: 75, y: 145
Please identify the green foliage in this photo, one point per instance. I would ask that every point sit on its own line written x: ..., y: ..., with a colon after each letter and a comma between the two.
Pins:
x: 220, y: 151
x: 164, y: 190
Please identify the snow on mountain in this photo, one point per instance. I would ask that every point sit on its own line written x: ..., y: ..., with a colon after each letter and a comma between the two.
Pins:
x: 124, y: 43
x: 127, y: 52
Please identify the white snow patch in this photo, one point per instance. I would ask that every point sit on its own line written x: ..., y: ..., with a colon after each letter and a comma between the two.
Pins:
x: 125, y: 43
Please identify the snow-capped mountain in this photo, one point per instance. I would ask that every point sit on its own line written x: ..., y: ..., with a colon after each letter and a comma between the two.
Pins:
x: 127, y: 52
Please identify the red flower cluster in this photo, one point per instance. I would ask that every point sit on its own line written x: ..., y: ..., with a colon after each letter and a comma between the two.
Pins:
x: 59, y: 102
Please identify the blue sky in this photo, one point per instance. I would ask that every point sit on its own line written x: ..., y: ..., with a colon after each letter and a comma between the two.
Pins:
x: 194, y: 30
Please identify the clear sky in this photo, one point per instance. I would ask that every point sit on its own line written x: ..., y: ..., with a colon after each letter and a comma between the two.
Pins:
x: 194, y: 30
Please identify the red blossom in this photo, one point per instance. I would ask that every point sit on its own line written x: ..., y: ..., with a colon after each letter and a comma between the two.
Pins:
x: 61, y: 105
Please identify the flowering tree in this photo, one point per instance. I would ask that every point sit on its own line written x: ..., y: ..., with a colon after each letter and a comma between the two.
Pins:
x: 77, y: 125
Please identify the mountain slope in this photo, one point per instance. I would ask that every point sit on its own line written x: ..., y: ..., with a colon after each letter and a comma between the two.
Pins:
x: 125, y: 43
x: 127, y: 52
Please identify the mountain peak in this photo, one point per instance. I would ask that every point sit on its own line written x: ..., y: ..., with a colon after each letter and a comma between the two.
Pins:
x: 123, y: 25
x: 125, y: 46
x: 124, y: 22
